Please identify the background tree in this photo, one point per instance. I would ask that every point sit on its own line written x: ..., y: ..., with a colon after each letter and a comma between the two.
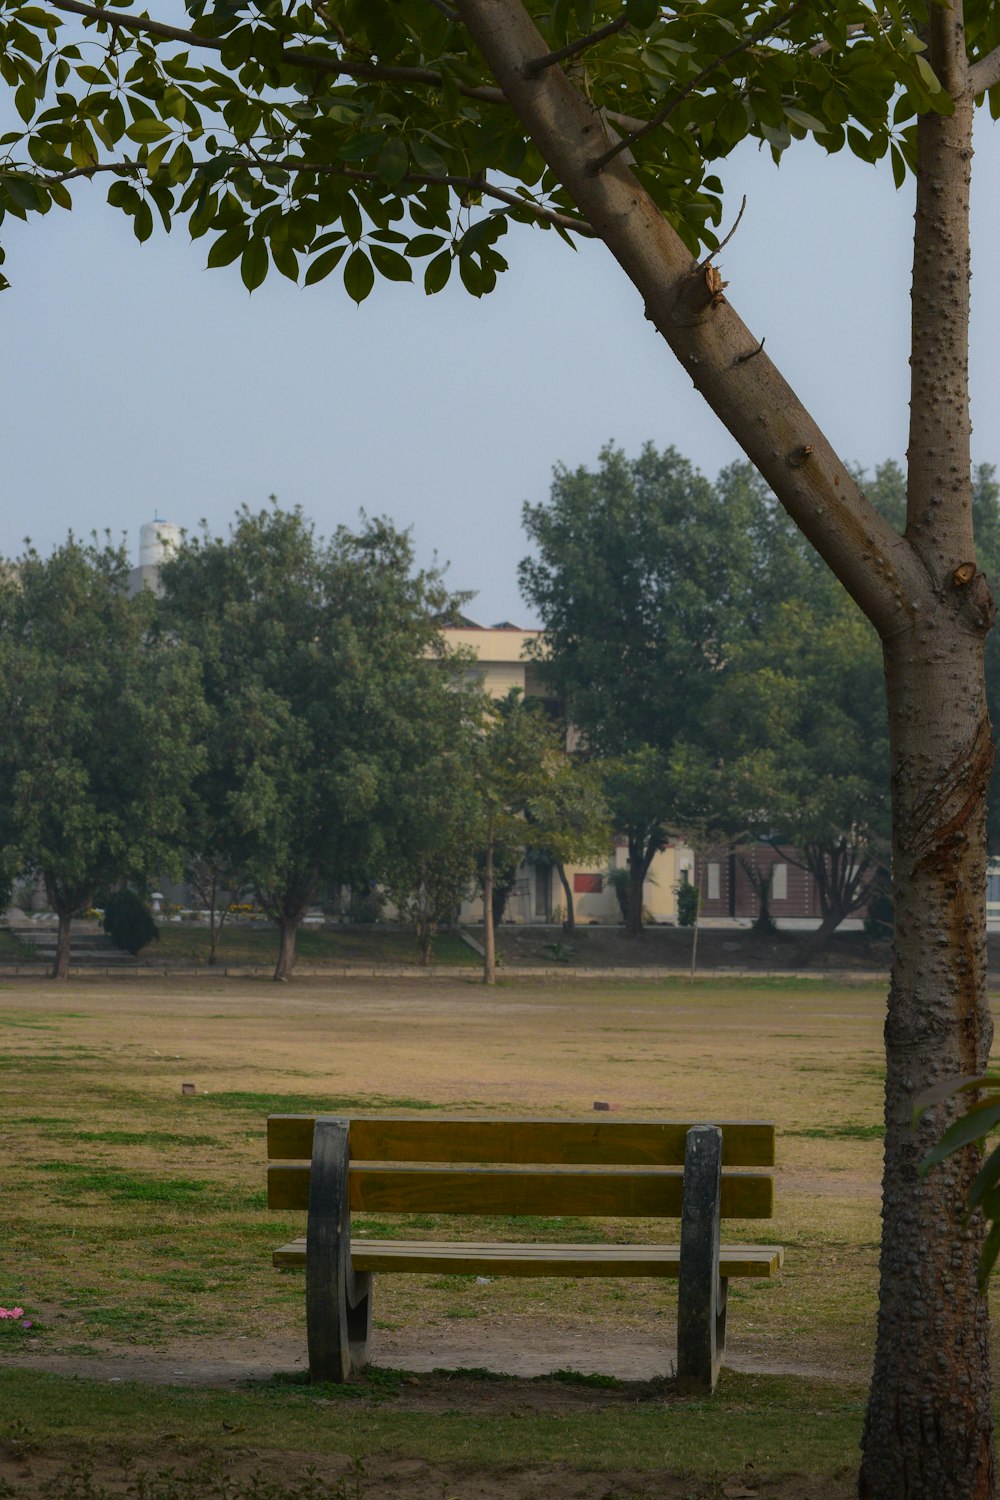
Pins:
x: 98, y: 741
x: 430, y: 867
x: 799, y: 751
x: 304, y: 137
x: 322, y: 668
x: 528, y: 792
x: 636, y: 580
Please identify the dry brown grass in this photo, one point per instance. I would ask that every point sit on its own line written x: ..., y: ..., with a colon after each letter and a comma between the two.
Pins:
x: 139, y: 1219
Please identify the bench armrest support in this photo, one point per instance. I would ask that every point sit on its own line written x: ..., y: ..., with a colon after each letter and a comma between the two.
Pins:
x: 338, y: 1302
x: 701, y: 1292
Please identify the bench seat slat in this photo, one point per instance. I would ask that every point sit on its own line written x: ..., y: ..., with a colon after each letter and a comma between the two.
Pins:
x: 479, y: 1259
x: 745, y: 1143
x: 635, y: 1194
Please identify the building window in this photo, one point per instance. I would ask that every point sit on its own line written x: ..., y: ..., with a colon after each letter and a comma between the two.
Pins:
x: 779, y: 883
x: 713, y: 882
x: 588, y: 885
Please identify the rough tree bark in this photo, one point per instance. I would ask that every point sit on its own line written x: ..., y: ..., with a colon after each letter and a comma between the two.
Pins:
x: 288, y: 926
x: 569, y: 920
x: 489, y: 932
x: 931, y: 1355
x: 928, y: 1430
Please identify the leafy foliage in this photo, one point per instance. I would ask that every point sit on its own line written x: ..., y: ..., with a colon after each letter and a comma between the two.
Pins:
x: 324, y: 672
x: 971, y: 1129
x: 370, y: 140
x: 128, y: 921
x: 98, y: 742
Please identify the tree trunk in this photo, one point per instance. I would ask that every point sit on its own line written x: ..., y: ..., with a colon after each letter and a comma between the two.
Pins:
x: 569, y: 920
x: 818, y: 939
x: 928, y: 1430
x: 489, y: 935
x: 636, y: 881
x: 214, y: 925
x: 288, y: 926
x: 60, y: 966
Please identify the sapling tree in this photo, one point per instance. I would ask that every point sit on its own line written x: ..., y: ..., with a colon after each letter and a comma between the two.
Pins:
x: 361, y: 139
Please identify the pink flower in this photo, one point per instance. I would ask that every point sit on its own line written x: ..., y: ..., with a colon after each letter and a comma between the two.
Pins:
x: 11, y: 1312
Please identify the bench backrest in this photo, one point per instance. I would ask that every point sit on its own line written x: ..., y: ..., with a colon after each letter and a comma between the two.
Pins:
x: 606, y: 1168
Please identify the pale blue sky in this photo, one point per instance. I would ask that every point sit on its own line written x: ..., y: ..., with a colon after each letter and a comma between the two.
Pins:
x: 134, y: 381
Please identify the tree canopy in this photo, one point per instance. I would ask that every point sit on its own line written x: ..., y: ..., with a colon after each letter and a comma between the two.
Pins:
x: 323, y: 671
x: 99, y: 739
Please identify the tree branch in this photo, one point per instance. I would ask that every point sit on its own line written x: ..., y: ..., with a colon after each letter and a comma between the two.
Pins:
x: 685, y: 303
x: 334, y: 169
x: 539, y: 64
x: 985, y: 74
x: 364, y: 72
x: 664, y: 114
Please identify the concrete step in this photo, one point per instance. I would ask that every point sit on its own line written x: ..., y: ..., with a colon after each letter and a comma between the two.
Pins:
x: 84, y: 947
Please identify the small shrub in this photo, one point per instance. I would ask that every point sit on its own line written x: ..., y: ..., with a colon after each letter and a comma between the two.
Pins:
x: 128, y: 921
x: 688, y: 901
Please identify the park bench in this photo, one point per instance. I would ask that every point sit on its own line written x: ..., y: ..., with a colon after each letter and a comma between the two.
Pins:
x: 604, y: 1169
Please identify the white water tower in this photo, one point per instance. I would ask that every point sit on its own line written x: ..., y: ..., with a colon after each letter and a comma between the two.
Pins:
x: 157, y: 540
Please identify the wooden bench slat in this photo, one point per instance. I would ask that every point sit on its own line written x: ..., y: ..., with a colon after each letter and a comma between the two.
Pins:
x: 480, y: 1259
x: 745, y: 1143
x: 642, y: 1194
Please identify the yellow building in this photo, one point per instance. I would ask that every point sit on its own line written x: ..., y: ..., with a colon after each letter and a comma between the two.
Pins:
x: 503, y: 662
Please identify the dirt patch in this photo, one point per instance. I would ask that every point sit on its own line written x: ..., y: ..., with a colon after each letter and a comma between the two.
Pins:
x: 166, y: 1469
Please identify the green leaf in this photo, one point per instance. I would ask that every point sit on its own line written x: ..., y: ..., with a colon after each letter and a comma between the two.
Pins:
x: 390, y: 264
x: 642, y: 13
x: 437, y: 273
x: 324, y: 264
x: 928, y: 75
x: 148, y: 130
x: 428, y: 160
x: 253, y: 266
x: 359, y: 278
x: 986, y: 1178
x: 974, y: 1126
x: 898, y: 161
x: 25, y: 103
x: 474, y: 278
x: 227, y: 247
x: 807, y: 121
x: 350, y: 219
x: 393, y: 162
x: 423, y: 244
x: 142, y: 222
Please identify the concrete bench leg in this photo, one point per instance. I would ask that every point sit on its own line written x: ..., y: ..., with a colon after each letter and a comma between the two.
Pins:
x: 338, y: 1303
x: 702, y: 1293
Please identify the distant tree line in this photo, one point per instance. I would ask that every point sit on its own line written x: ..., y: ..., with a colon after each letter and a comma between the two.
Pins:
x: 717, y: 672
x: 285, y: 715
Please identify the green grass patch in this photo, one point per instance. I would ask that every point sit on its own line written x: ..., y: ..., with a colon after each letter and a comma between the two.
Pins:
x: 311, y: 1104
x: 257, y: 944
x: 75, y: 1181
x: 839, y: 1133
x: 777, y: 1425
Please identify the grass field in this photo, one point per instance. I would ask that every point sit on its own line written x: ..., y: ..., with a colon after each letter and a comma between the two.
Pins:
x: 136, y: 1239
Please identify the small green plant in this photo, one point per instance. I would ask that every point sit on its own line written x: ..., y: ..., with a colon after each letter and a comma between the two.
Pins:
x: 128, y: 921
x: 560, y: 953
x: 688, y: 901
